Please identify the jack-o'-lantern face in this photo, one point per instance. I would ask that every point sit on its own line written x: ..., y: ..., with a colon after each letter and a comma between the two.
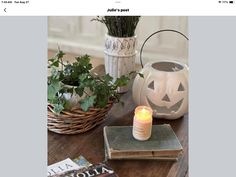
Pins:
x: 169, y: 103
x: 164, y: 89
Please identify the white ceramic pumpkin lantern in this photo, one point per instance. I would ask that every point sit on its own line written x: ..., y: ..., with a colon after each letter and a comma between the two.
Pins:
x: 164, y: 87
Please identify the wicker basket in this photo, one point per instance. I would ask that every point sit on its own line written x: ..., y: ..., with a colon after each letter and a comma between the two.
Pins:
x: 76, y: 121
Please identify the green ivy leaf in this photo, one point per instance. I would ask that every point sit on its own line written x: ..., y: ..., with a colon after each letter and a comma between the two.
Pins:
x: 87, y: 102
x: 84, y: 63
x: 83, y: 77
x: 101, y: 103
x: 58, y: 108
x: 55, y: 63
x: 53, y: 88
x: 92, y: 84
x: 122, y: 81
x: 60, y: 54
x: 68, y: 69
x: 107, y: 78
x: 51, y: 59
x: 51, y: 92
x: 79, y: 91
x: 55, y: 74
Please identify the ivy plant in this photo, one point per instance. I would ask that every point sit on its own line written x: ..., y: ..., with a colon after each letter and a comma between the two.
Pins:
x: 79, y: 77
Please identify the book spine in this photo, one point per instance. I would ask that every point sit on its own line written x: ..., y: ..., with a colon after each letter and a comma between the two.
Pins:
x: 106, y: 144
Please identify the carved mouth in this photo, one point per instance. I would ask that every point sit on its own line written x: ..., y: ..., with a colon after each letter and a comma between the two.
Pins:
x: 164, y: 109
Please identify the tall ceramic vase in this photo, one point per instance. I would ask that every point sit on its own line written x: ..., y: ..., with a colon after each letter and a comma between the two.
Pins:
x: 120, y: 57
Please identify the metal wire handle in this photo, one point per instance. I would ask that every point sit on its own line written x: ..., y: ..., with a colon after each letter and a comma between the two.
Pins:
x: 165, y: 30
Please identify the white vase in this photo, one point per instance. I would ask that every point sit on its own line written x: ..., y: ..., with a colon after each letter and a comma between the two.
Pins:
x: 120, y: 56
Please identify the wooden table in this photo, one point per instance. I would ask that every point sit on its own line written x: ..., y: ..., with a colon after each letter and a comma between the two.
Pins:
x: 90, y: 145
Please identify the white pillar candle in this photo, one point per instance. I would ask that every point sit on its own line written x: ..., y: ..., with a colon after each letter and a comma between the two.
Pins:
x: 142, y: 123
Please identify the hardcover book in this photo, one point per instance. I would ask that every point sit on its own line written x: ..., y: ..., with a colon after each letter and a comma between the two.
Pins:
x: 120, y: 143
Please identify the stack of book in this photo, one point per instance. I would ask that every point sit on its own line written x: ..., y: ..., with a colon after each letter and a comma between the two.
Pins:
x: 120, y: 144
x: 162, y: 145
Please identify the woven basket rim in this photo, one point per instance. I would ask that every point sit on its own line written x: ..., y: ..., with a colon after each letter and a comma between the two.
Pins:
x: 76, y: 120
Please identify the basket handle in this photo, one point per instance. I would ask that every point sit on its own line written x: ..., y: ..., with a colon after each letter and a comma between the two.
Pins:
x: 160, y: 31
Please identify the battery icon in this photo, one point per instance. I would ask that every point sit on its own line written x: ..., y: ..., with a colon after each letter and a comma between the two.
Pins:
x: 231, y: 2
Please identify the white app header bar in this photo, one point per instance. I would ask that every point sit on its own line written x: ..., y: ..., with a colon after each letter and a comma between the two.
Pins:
x: 117, y: 7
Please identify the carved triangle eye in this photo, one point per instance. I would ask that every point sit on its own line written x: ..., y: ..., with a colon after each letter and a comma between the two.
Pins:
x: 151, y: 85
x: 181, y: 87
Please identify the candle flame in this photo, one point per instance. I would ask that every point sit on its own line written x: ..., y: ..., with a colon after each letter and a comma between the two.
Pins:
x: 143, y: 110
x: 144, y: 114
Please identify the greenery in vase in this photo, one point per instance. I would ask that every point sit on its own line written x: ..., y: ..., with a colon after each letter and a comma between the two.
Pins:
x: 79, y: 77
x: 119, y: 26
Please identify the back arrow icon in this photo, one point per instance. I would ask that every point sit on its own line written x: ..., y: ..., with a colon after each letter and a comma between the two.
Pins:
x: 5, y: 10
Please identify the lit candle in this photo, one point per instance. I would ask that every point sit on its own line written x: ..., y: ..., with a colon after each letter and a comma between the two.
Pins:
x: 142, y: 125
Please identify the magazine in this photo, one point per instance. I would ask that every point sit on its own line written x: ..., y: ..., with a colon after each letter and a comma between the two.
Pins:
x: 82, y: 162
x: 68, y: 165
x: 99, y: 170
x: 62, y: 166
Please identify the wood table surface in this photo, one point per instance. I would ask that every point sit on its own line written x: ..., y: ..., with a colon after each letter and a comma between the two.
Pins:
x: 91, y: 145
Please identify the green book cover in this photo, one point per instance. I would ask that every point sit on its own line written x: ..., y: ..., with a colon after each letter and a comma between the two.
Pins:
x: 120, y: 143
